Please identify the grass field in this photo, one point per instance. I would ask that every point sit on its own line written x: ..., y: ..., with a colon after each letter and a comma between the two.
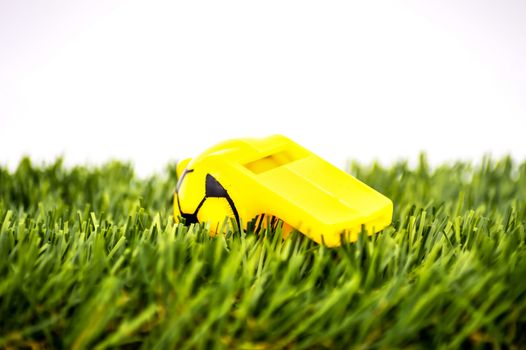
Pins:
x: 90, y: 258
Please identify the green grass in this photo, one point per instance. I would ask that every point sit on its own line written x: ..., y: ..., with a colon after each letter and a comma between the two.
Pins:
x: 91, y: 258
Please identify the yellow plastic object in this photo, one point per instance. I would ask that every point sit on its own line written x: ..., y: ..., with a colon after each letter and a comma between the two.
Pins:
x: 245, y: 178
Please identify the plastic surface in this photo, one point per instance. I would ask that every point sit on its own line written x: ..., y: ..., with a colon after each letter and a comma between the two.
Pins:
x: 245, y: 178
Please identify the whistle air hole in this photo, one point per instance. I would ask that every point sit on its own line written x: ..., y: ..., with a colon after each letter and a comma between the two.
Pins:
x: 271, y: 162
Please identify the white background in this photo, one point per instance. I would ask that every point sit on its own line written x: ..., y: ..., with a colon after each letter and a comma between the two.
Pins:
x: 154, y: 81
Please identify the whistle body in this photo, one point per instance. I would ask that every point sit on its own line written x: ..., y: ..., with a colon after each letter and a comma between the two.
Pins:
x: 275, y: 177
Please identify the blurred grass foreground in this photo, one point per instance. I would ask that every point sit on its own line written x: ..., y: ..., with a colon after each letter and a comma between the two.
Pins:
x: 90, y: 257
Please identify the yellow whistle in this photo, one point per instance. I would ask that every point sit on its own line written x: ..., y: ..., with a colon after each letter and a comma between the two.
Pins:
x: 250, y: 178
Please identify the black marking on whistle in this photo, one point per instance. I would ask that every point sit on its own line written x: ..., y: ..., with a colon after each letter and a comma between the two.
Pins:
x: 191, y: 218
x: 180, y: 181
x: 215, y: 190
x: 188, y: 218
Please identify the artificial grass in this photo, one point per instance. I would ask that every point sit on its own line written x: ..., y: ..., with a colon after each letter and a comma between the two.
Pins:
x: 90, y: 258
